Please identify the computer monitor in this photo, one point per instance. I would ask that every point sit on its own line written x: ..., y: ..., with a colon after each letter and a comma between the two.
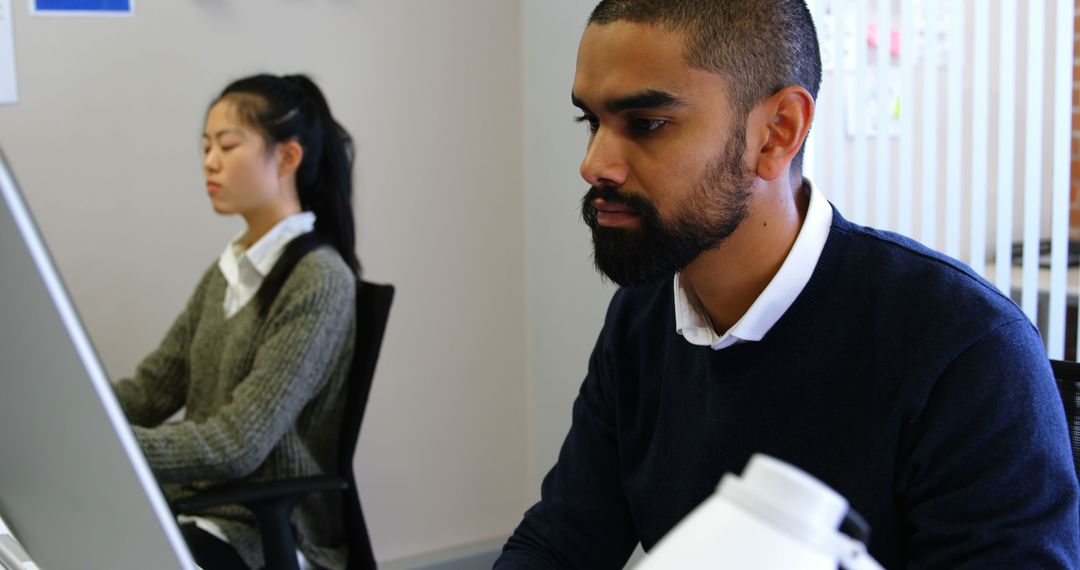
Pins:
x: 75, y: 490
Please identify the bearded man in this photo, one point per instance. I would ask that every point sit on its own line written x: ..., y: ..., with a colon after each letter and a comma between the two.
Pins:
x: 752, y: 317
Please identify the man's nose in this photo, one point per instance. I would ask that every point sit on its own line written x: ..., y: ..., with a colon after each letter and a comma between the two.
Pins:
x: 604, y: 164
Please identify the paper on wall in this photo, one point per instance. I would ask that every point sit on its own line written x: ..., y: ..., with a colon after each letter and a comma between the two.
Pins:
x: 82, y: 7
x: 9, y: 92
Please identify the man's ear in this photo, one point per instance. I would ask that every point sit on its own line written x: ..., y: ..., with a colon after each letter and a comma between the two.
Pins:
x: 788, y: 115
x: 290, y: 155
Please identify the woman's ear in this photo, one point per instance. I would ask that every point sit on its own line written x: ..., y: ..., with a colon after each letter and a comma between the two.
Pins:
x: 290, y: 155
x: 789, y: 114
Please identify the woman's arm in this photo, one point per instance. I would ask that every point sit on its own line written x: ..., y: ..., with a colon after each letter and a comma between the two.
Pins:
x: 159, y: 387
x: 309, y: 326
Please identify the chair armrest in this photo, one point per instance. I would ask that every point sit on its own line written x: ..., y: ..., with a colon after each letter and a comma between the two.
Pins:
x: 260, y: 491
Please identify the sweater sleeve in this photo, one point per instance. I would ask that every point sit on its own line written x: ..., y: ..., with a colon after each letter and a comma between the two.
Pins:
x: 159, y: 387
x: 989, y: 481
x: 307, y: 329
x: 582, y: 519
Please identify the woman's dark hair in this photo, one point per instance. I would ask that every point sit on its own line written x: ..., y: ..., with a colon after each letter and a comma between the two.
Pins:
x: 291, y: 107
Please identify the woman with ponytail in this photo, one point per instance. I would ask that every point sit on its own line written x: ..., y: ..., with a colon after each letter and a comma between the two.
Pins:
x: 259, y: 358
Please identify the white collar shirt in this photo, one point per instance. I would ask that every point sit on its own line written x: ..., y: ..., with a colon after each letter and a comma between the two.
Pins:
x: 245, y: 269
x: 695, y: 326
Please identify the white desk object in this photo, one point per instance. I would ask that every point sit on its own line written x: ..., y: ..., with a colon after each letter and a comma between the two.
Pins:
x: 775, y: 516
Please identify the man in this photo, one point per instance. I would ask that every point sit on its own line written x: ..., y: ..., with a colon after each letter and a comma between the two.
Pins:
x: 754, y: 318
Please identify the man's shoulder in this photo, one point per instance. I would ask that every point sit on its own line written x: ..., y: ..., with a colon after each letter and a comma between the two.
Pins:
x: 903, y: 271
x: 887, y: 245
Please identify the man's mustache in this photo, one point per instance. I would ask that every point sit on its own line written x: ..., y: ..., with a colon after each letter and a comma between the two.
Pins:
x: 611, y: 195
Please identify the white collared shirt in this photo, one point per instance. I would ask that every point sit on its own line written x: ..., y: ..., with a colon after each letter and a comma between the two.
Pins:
x: 245, y: 270
x: 694, y: 325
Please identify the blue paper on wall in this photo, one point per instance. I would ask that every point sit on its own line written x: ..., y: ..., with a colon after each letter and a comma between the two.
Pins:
x: 85, y: 6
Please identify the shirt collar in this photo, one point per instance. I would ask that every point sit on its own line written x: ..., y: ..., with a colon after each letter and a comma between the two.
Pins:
x: 263, y: 254
x: 694, y: 325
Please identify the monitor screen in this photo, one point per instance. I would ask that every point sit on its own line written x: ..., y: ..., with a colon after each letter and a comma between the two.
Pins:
x: 75, y: 490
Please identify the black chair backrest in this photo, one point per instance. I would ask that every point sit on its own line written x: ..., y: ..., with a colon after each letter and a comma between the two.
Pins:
x: 1068, y: 381
x: 372, y: 312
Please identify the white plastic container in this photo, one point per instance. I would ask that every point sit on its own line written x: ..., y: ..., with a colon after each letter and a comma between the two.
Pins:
x: 775, y: 516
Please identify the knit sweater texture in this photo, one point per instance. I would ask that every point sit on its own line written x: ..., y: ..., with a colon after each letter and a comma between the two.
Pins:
x: 262, y: 397
x: 898, y: 377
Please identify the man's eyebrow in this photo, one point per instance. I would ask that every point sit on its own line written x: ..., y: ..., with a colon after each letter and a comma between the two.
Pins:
x: 650, y: 99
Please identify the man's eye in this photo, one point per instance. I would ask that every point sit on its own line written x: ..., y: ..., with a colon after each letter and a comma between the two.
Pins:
x: 645, y: 126
x: 591, y: 120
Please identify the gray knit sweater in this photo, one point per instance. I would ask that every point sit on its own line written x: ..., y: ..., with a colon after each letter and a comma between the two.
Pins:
x: 263, y: 398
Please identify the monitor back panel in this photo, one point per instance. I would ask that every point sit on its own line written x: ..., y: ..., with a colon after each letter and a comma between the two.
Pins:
x: 74, y: 488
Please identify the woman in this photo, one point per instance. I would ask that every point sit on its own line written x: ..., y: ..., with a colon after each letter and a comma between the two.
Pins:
x: 259, y: 357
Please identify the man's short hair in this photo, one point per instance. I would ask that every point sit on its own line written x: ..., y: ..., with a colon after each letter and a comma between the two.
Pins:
x: 758, y: 46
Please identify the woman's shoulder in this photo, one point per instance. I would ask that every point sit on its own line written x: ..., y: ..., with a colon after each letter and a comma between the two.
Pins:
x: 211, y: 278
x: 322, y: 268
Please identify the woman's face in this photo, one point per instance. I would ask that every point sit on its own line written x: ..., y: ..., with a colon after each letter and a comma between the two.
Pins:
x: 242, y: 174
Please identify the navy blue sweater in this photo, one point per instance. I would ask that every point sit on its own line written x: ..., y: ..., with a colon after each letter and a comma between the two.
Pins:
x: 898, y: 377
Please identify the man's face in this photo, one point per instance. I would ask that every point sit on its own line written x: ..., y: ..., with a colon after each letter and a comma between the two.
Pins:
x: 665, y: 156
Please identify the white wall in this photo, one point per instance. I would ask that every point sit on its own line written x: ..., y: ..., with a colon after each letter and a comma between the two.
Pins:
x: 566, y: 298
x: 105, y: 142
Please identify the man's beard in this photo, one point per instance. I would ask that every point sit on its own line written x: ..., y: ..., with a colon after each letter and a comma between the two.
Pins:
x: 659, y: 249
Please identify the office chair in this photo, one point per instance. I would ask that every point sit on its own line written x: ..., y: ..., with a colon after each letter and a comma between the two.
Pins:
x: 1068, y: 381
x: 272, y: 502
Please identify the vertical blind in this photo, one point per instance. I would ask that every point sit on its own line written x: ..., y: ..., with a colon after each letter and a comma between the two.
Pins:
x: 950, y: 121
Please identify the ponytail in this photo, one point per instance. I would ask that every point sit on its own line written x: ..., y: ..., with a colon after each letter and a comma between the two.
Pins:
x: 327, y: 186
